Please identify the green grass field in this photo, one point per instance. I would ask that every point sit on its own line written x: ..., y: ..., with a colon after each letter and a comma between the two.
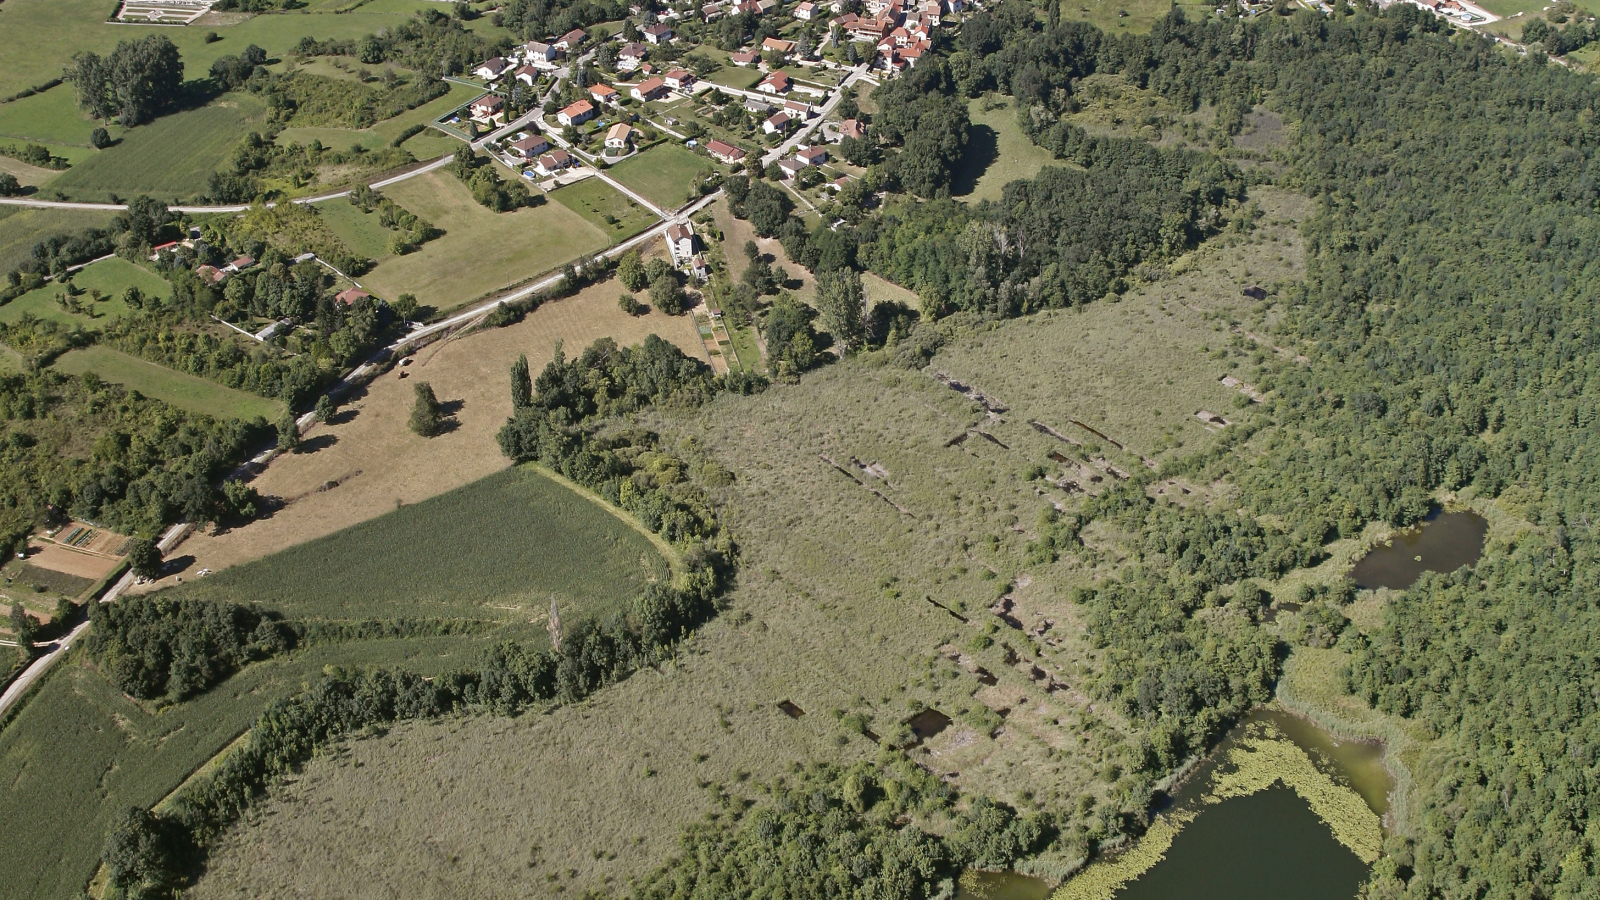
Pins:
x: 742, y: 77
x: 111, y: 277
x: 593, y: 199
x: 481, y: 251
x: 382, y: 133
x: 181, y: 390
x: 29, y: 176
x: 51, y: 117
x: 662, y: 174
x: 998, y: 153
x: 21, y: 228
x: 170, y: 158
x: 56, y: 29
x: 83, y: 751
x: 359, y: 230
x: 500, y: 548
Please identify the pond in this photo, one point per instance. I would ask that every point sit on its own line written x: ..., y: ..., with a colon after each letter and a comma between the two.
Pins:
x: 1281, y: 809
x: 1444, y: 542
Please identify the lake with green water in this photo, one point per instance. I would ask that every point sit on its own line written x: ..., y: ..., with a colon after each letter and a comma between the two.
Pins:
x: 1280, y: 809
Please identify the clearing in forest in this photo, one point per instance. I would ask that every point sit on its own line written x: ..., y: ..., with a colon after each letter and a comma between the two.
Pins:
x: 187, y: 392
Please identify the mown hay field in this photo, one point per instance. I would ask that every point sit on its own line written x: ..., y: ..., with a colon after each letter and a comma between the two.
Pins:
x: 170, y: 159
x: 78, y: 751
x: 481, y: 251
x: 873, y: 545
x: 182, y: 390
x: 501, y: 548
x: 377, y: 463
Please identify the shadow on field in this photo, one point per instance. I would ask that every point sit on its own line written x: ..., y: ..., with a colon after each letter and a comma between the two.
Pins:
x: 983, y: 149
x: 320, y: 442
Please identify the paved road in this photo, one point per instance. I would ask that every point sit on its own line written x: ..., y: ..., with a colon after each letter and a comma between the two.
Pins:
x: 34, y: 672
x: 118, y: 207
x: 815, y: 122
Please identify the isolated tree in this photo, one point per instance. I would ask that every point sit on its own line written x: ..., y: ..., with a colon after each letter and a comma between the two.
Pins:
x: 666, y: 294
x: 288, y: 432
x: 843, y: 307
x: 144, y: 557
x: 630, y: 271
x: 9, y: 185
x: 99, y: 138
x: 521, y: 383
x: 404, y: 306
x: 324, y: 408
x: 427, y: 416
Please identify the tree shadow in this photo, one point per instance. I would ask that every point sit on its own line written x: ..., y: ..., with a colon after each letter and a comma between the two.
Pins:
x: 320, y: 442
x: 177, y: 565
x: 344, y: 416
x: 983, y: 149
x: 451, y: 407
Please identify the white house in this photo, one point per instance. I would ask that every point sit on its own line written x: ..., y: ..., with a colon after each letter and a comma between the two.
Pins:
x: 620, y: 137
x: 553, y: 162
x: 805, y: 11
x: 530, y: 146
x: 649, y: 89
x: 576, y: 114
x: 489, y: 70
x: 540, y: 55
x: 679, y: 79
x: 680, y: 242
x: 631, y: 56
x: 777, y: 124
x: 657, y: 34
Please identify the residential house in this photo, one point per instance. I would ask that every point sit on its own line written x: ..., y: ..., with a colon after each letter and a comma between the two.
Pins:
x: 805, y: 11
x: 756, y: 107
x: 553, y: 162
x: 576, y: 114
x: 750, y: 6
x: 169, y: 245
x: 725, y: 152
x: 932, y: 13
x: 778, y: 124
x: 791, y: 167
x: 349, y: 296
x: 711, y: 12
x: 838, y: 184
x: 491, y: 69
x: 777, y: 45
x: 540, y: 55
x: 631, y: 56
x: 240, y: 264
x: 572, y: 40
x: 528, y: 75
x: 488, y: 108
x: 812, y: 156
x: 800, y: 109
x: 657, y: 33
x: 679, y: 79
x: 744, y: 57
x: 211, y: 274
x: 954, y: 6
x: 530, y: 146
x: 775, y: 83
x: 620, y: 137
x: 852, y: 128
x: 698, y: 267
x: 649, y: 89
x: 680, y: 242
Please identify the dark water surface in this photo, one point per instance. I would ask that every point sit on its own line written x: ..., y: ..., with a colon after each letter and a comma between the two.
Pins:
x: 1444, y: 542
x: 1265, y: 846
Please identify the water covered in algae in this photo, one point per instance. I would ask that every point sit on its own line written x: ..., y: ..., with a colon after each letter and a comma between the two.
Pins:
x: 1261, y: 819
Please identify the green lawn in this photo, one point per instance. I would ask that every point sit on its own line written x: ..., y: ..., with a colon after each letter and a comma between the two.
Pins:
x: 359, y: 230
x: 177, y: 388
x: 382, y: 133
x: 57, y: 29
x: 21, y: 228
x: 742, y: 77
x: 51, y: 117
x: 170, y: 158
x: 110, y: 277
x: 998, y: 153
x: 662, y: 174
x: 481, y: 251
x: 593, y: 199
x: 497, y: 549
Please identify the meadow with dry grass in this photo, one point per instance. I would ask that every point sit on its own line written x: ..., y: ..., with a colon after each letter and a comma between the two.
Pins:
x: 884, y: 518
